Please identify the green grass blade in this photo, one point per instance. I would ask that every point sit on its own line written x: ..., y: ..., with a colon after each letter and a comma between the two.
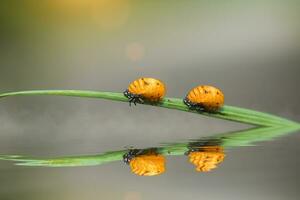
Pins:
x: 68, y: 161
x: 227, y: 112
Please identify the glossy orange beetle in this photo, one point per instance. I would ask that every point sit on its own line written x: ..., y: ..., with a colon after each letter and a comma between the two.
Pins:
x: 145, y: 89
x: 145, y: 162
x: 204, y: 98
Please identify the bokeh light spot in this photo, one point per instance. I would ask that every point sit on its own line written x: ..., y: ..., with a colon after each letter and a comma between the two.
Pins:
x: 135, y: 52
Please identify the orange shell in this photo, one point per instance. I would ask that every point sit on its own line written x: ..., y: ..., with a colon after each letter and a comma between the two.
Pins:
x: 206, y: 160
x: 149, y: 88
x: 211, y: 98
x: 148, y: 165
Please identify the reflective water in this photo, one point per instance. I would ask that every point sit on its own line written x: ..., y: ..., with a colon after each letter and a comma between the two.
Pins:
x: 248, y: 49
x: 204, y: 154
x: 194, y: 149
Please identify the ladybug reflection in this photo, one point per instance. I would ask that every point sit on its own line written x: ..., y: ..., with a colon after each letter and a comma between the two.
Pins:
x: 206, y: 158
x: 145, y: 162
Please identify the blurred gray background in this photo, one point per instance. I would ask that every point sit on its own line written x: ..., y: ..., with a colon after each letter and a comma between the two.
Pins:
x: 248, y: 49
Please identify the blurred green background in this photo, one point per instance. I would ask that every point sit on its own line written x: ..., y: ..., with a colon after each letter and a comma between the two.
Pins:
x: 249, y: 49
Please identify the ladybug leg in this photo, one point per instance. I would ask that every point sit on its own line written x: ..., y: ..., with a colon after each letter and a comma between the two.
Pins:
x: 133, y: 98
x: 131, y: 153
x: 199, y: 108
x: 137, y: 99
x: 140, y: 100
x: 188, y: 103
x: 187, y: 153
x: 193, y: 106
x: 130, y: 101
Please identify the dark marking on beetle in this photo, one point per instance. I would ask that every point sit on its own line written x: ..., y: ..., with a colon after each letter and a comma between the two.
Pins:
x: 157, y: 83
x: 194, y: 93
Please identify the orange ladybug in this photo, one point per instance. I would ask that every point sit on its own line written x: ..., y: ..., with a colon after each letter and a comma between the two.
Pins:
x: 207, y: 158
x: 145, y: 89
x: 145, y: 163
x: 204, y: 98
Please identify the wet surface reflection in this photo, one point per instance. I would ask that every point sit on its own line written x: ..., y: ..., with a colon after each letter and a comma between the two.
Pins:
x: 145, y: 162
x: 148, y: 162
x: 206, y: 158
x: 206, y: 154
